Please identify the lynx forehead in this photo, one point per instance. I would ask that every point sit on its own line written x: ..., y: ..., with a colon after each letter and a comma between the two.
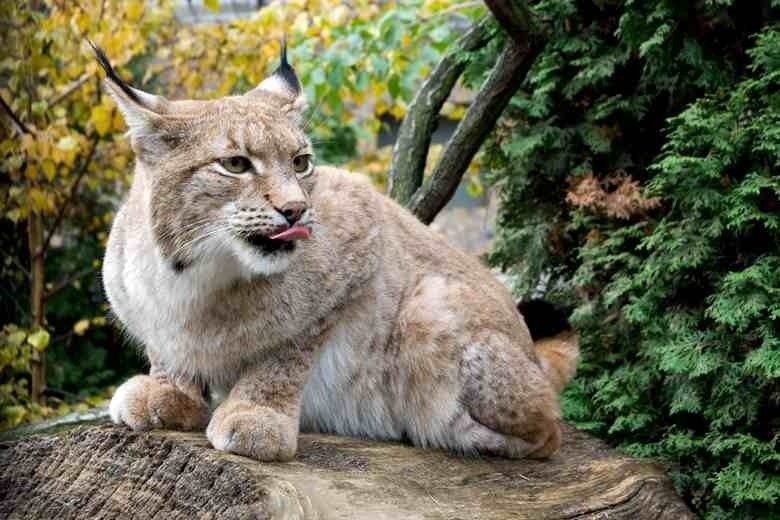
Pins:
x: 227, y: 178
x: 299, y: 297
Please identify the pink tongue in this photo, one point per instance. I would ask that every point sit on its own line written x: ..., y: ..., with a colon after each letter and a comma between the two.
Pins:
x: 293, y: 233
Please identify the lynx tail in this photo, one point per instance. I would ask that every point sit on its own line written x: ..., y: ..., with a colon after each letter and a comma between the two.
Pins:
x: 556, y: 343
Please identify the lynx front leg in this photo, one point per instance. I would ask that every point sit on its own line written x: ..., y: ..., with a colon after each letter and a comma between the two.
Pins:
x: 154, y: 401
x: 259, y: 419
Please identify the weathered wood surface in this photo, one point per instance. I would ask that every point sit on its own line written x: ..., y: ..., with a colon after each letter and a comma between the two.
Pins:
x: 103, y: 471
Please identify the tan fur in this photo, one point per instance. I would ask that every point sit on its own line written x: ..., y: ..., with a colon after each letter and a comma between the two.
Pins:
x: 558, y: 356
x: 374, y: 326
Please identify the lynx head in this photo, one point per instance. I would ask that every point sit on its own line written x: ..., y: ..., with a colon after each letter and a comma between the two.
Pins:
x: 230, y: 176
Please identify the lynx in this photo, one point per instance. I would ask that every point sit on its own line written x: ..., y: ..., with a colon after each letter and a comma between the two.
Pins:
x: 272, y: 295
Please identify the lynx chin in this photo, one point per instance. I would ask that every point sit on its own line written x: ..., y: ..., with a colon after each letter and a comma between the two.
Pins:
x: 272, y: 295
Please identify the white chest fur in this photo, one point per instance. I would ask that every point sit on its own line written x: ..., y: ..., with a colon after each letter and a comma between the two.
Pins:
x: 342, y: 394
x: 155, y: 303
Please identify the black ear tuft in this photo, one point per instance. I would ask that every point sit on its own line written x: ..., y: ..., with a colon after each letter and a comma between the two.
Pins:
x: 286, y: 72
x: 111, y: 73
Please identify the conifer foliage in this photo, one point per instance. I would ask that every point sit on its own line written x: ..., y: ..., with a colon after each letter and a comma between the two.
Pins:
x: 639, y: 175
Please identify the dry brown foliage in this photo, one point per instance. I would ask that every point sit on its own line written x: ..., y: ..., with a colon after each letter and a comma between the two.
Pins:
x: 616, y: 196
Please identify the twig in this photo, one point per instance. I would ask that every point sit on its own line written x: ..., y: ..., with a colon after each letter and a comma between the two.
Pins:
x: 70, y: 89
x: 19, y: 266
x: 57, y: 287
x: 18, y: 125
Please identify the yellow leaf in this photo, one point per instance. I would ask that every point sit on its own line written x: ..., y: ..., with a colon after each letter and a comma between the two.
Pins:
x: 398, y: 111
x: 67, y: 143
x: 39, y: 340
x: 101, y: 118
x: 99, y: 321
x: 40, y: 200
x: 15, y: 215
x: 117, y: 123
x: 28, y: 143
x: 96, y: 400
x: 301, y: 22
x: 49, y: 169
x: 212, y: 5
x: 134, y: 10
x: 474, y: 187
x: 16, y: 338
x: 80, y: 327
x: 14, y: 414
x: 31, y: 172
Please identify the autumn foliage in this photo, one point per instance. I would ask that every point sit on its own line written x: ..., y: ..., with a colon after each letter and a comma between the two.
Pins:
x: 66, y: 161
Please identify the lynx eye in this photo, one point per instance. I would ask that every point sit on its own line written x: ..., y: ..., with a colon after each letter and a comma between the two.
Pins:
x: 236, y: 164
x: 302, y: 163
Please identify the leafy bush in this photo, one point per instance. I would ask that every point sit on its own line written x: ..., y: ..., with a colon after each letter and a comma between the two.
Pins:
x: 16, y: 348
x: 638, y: 170
x: 698, y: 294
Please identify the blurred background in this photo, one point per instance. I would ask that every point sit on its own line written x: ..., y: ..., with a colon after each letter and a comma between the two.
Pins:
x: 633, y: 178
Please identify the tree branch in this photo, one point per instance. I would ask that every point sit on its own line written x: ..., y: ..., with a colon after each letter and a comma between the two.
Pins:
x: 414, y: 136
x: 71, y: 194
x: 516, y: 19
x: 70, y: 89
x: 19, y: 266
x: 480, y: 118
x: 60, y: 285
x: 18, y: 125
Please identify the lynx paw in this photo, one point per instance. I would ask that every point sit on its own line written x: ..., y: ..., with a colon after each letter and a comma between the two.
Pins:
x: 145, y: 402
x: 254, y: 431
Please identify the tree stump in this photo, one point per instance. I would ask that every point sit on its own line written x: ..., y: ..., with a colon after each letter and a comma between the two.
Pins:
x: 105, y: 471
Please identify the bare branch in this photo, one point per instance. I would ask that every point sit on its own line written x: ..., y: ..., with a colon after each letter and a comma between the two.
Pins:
x: 480, y: 118
x: 414, y: 136
x: 17, y: 123
x: 70, y: 89
x: 60, y: 285
x: 19, y: 266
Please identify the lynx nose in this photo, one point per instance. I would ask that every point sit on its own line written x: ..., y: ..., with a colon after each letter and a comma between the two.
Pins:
x: 292, y: 211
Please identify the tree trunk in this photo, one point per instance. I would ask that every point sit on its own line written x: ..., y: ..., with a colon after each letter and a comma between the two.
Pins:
x: 414, y: 136
x: 526, y: 40
x: 110, y: 472
x: 37, y: 310
x: 479, y: 120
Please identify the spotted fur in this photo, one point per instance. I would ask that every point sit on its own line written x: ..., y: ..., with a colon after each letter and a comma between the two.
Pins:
x: 373, y: 327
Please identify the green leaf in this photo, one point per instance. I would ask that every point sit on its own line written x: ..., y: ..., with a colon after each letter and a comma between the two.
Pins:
x: 394, y: 85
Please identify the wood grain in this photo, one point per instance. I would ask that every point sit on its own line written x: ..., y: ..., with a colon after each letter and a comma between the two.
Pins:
x: 105, y: 471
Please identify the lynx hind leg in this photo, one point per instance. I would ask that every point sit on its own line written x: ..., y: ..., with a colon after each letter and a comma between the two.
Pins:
x: 510, y: 407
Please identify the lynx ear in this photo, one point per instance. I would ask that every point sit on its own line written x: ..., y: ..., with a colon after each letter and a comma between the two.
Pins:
x: 282, y: 82
x: 143, y: 112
